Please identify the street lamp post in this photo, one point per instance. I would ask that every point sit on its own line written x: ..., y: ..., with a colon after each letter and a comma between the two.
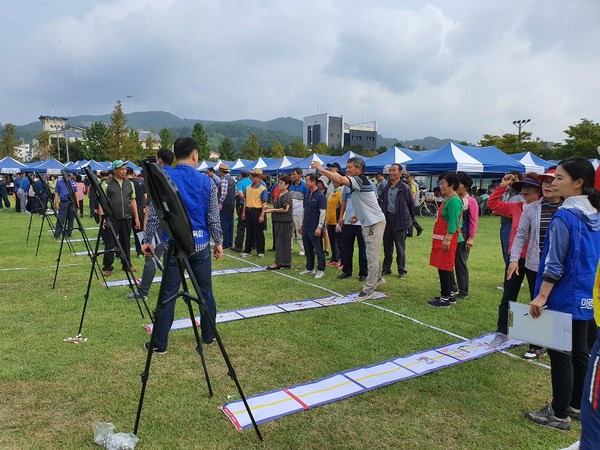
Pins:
x: 520, y: 124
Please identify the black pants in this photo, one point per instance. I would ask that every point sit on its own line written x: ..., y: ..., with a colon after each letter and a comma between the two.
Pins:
x: 334, y: 243
x: 123, y: 230
x: 460, y: 284
x: 255, y: 232
x: 240, y: 227
x: 445, y: 282
x: 394, y: 238
x: 568, y: 371
x: 511, y: 292
x: 350, y: 234
x: 415, y: 224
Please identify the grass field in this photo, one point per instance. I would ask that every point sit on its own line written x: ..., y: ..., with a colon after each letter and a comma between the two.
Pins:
x: 51, y: 391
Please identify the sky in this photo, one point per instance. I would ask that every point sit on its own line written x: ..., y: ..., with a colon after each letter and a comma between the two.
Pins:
x: 444, y: 68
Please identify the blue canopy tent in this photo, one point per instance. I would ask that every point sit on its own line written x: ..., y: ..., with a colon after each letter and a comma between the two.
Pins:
x: 280, y: 165
x: 238, y: 165
x: 393, y: 155
x: 50, y: 166
x: 476, y: 160
x: 532, y: 162
x: 260, y: 163
x: 11, y: 165
x: 95, y: 166
x: 136, y: 169
x: 305, y: 163
x: 343, y: 159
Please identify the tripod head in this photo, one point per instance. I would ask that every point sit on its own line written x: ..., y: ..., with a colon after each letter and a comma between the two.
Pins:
x: 169, y: 206
x: 99, y: 192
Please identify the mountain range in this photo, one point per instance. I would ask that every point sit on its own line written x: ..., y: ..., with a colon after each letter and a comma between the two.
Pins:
x: 283, y: 129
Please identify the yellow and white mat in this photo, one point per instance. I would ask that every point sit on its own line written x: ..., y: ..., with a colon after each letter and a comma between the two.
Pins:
x: 285, y: 401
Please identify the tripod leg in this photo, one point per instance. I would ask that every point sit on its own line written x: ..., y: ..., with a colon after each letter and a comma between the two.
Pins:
x: 196, y: 334
x: 37, y: 249
x: 231, y: 371
x: 62, y: 241
x: 29, y: 229
x: 89, y: 285
x: 146, y: 373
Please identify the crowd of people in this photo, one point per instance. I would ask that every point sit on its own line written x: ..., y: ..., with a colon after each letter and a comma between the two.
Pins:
x: 549, y: 235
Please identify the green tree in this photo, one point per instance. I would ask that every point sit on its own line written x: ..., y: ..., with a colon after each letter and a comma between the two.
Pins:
x: 251, y: 149
x: 298, y: 149
x: 277, y: 151
x: 166, y: 138
x: 583, y: 140
x: 9, y: 141
x: 77, y: 150
x: 509, y: 143
x: 139, y: 151
x: 118, y: 143
x: 43, y: 145
x: 95, y: 139
x: 226, y: 150
x: 321, y: 148
x: 201, y: 139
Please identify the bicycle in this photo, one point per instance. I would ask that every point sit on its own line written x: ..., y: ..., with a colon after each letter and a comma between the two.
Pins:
x: 427, y: 206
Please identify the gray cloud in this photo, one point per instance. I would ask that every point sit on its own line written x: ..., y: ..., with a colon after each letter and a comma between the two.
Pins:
x: 449, y: 69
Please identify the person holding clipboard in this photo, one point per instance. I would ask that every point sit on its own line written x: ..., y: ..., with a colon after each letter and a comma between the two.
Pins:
x: 565, y: 282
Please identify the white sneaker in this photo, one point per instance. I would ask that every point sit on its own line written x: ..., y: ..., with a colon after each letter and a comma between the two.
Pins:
x: 261, y: 255
x: 301, y: 253
x: 319, y: 274
x: 245, y: 255
x: 380, y: 282
x: 308, y: 272
x: 499, y: 340
x: 573, y: 446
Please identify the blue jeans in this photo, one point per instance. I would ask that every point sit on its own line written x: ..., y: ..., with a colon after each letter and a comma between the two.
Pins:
x: 66, y: 216
x: 201, y: 267
x: 227, y: 225
x: 312, y: 245
x: 590, y: 412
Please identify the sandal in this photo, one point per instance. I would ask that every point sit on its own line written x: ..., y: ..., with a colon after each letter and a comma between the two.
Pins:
x: 274, y: 267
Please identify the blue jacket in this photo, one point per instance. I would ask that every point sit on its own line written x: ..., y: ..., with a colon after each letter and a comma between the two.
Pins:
x: 195, y: 193
x: 570, y: 258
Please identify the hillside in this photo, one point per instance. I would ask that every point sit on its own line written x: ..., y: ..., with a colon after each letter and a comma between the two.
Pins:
x: 283, y: 129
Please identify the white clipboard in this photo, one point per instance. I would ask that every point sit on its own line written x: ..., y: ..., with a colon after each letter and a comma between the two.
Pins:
x: 552, y: 329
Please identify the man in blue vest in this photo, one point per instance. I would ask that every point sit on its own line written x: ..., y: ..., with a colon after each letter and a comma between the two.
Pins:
x: 199, y: 195
x: 66, y: 210
x: 226, y: 204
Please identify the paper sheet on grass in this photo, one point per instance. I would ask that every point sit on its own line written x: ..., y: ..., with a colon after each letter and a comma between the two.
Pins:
x: 257, y: 311
x: 215, y: 273
x: 282, y: 402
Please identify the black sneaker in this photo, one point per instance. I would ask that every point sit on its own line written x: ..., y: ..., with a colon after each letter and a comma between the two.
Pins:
x: 211, y: 342
x: 158, y: 350
x: 461, y: 296
x: 440, y: 303
x: 546, y: 418
x: 362, y: 278
x: 451, y: 299
x: 386, y: 272
x: 341, y: 276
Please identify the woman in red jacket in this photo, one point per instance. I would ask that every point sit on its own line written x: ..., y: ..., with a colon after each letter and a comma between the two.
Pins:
x: 530, y: 188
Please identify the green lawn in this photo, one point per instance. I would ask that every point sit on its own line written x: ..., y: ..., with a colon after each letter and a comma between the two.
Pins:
x: 51, y: 391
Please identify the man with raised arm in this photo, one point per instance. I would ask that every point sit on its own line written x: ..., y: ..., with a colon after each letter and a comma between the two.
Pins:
x: 368, y: 212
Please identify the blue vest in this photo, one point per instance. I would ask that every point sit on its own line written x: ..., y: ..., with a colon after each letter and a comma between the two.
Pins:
x: 573, y: 292
x: 195, y: 193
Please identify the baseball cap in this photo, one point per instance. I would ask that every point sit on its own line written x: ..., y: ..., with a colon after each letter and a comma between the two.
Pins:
x: 117, y: 163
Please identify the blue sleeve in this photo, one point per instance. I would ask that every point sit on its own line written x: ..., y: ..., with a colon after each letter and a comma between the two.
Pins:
x: 558, y: 245
x: 264, y: 195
